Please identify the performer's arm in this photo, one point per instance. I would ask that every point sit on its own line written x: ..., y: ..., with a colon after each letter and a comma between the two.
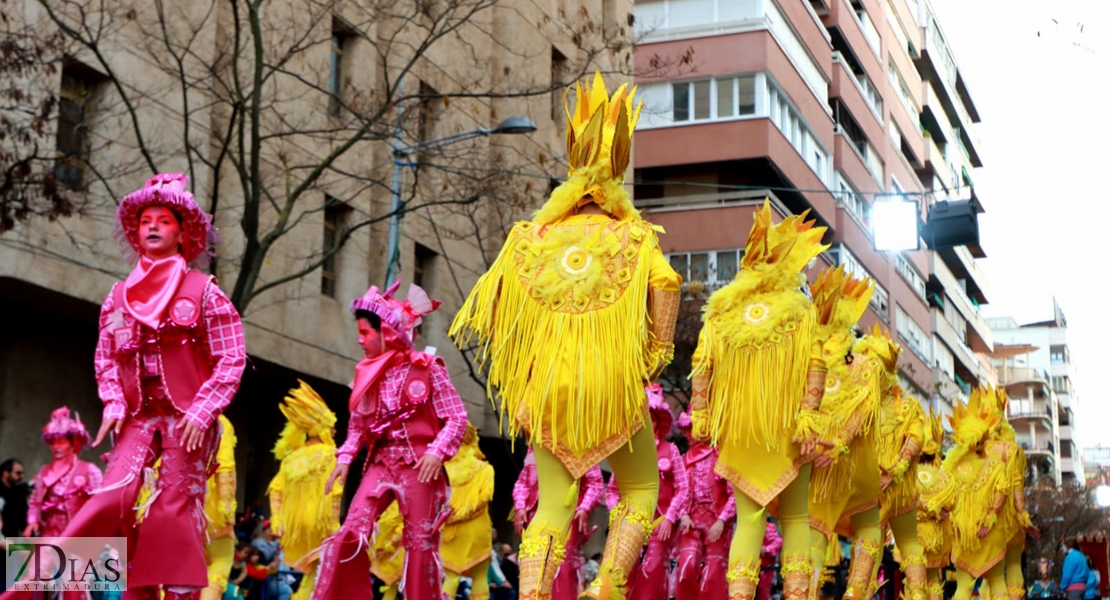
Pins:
x: 356, y: 429
x: 277, y: 502
x: 229, y: 354
x: 915, y: 434
x: 664, y: 298
x: 729, y: 511
x: 810, y: 421
x: 107, y: 375
x: 449, y: 409
x: 680, y: 502
x: 594, y: 486
x: 700, y: 380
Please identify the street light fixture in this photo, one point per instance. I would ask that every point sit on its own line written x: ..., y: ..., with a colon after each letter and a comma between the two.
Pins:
x: 511, y: 126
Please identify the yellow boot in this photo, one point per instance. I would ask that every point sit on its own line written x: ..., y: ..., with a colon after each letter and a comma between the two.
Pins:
x: 797, y: 571
x: 743, y: 580
x: 541, y: 552
x: 861, y: 576
x: 628, y: 532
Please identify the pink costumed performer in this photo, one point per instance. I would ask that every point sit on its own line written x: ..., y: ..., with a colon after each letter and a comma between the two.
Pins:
x: 63, y: 486
x: 705, y: 531
x: 651, y: 580
x: 406, y: 411
x: 168, y: 361
x: 568, y: 579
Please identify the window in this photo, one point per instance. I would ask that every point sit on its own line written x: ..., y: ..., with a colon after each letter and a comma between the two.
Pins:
x: 847, y: 125
x: 72, y: 145
x: 558, y: 71
x: 335, y: 214
x: 340, y: 38
x: 1061, y: 384
x: 880, y: 299
x: 854, y: 202
x: 431, y: 105
x: 903, y: 90
x: 423, y: 269
x: 870, y: 33
x: 655, y: 15
x: 720, y: 98
x: 906, y: 269
x: 896, y: 26
x: 797, y: 132
x: 1059, y: 355
x: 713, y: 269
x: 913, y: 336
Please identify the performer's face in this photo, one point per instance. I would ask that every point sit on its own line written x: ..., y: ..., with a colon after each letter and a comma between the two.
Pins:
x: 159, y: 232
x: 62, y: 448
x: 370, y: 339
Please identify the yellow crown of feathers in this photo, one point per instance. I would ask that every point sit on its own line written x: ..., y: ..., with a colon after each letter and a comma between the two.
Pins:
x: 789, y: 245
x: 877, y: 343
x: 840, y: 298
x: 306, y: 410
x: 599, y: 148
x: 972, y: 422
x: 933, y: 439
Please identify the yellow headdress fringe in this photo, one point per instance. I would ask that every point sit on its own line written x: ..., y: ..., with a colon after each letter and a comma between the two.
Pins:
x: 523, y: 349
x: 933, y: 441
x: 599, y: 143
x: 471, y: 479
x: 762, y: 326
x: 877, y: 343
x: 308, y: 415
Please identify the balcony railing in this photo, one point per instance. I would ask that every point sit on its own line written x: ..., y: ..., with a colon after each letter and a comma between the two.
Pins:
x: 1013, y: 375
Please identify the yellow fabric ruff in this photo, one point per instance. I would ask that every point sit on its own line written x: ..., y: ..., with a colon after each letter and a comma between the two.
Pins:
x: 559, y: 289
x: 302, y: 512
x: 219, y: 502
x: 388, y: 545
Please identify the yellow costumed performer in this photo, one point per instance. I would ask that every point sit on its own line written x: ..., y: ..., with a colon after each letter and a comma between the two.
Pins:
x: 573, y: 319
x: 936, y: 500
x: 845, y: 480
x: 759, y: 375
x: 464, y: 544
x: 1003, y: 446
x: 388, y: 550
x: 901, y: 434
x: 303, y: 515
x: 983, y: 521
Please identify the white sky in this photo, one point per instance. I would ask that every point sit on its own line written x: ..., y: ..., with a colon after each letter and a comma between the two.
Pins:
x: 1046, y: 153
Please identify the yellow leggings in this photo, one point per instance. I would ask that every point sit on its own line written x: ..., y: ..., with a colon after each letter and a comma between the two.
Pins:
x: 220, y: 554
x: 389, y: 591
x: 995, y: 579
x: 904, y: 528
x: 478, y: 574
x: 751, y: 525
x: 866, y: 552
x: 1015, y: 579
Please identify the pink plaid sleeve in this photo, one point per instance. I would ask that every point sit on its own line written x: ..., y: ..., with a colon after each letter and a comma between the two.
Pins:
x: 449, y: 408
x: 95, y: 478
x: 593, y: 486
x: 728, y: 513
x: 229, y: 353
x: 345, y: 455
x: 524, y: 483
x: 681, y: 500
x: 612, y: 494
x: 107, y: 375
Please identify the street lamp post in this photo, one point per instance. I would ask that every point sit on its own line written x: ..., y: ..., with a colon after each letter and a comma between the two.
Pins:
x: 512, y: 125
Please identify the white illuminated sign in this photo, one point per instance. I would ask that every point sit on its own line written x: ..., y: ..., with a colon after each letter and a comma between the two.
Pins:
x: 1102, y: 496
x: 894, y: 223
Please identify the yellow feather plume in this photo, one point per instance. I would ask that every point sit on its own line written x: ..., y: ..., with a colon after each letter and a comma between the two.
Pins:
x: 840, y: 300
x: 933, y: 440
x: 308, y: 415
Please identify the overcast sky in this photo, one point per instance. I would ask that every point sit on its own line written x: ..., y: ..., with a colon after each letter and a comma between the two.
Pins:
x: 1045, y: 184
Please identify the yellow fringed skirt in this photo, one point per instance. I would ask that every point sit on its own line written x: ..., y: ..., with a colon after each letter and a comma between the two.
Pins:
x: 901, y: 497
x: 828, y: 508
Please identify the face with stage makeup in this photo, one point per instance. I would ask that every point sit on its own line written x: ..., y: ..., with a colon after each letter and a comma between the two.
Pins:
x: 160, y: 232
x: 62, y: 448
x: 370, y: 334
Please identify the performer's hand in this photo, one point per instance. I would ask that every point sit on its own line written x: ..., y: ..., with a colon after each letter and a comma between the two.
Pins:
x: 518, y: 523
x: 666, y: 528
x: 189, y: 435
x: 885, y: 479
x: 30, y: 529
x: 582, y: 519
x: 684, y: 524
x: 983, y: 531
x: 823, y: 460
x: 339, y: 474
x: 428, y: 468
x: 1033, y: 531
x: 107, y: 425
x: 716, y: 530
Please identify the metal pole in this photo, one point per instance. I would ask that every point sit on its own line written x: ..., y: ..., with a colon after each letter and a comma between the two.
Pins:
x: 393, y: 252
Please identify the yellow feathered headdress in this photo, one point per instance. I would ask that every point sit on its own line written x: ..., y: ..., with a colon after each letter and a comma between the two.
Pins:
x: 877, y: 343
x: 599, y: 145
x: 1002, y: 429
x: 933, y: 439
x: 308, y: 415
x: 971, y: 423
x: 840, y: 300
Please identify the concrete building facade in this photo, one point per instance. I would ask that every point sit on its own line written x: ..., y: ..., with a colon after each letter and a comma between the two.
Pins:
x: 827, y: 106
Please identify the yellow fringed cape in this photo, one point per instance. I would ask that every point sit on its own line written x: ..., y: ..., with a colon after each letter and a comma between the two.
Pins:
x: 465, y: 538
x: 561, y: 321
x: 978, y: 480
x: 1012, y: 456
x: 301, y: 510
x: 388, y: 546
x: 851, y: 484
x: 937, y: 493
x: 901, y: 420
x: 756, y: 350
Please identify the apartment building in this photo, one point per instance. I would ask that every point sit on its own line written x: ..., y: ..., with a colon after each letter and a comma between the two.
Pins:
x: 1049, y: 358
x: 1033, y: 411
x: 827, y: 106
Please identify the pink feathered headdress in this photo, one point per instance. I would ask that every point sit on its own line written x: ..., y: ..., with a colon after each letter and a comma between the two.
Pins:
x: 684, y: 422
x: 403, y: 316
x: 62, y: 425
x: 660, y: 409
x: 171, y: 190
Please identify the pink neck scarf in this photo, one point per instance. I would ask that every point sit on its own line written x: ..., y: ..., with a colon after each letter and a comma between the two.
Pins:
x: 55, y: 470
x: 151, y: 286
x: 369, y: 371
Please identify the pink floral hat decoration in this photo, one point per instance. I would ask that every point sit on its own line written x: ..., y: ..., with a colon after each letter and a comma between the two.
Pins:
x: 63, y: 425
x: 404, y: 316
x: 171, y: 190
x: 660, y: 409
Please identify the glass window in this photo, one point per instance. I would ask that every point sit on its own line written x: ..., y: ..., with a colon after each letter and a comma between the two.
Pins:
x: 679, y: 262
x: 682, y: 102
x: 725, y: 107
x: 699, y: 266
x: 701, y: 99
x: 746, y: 95
x: 727, y: 264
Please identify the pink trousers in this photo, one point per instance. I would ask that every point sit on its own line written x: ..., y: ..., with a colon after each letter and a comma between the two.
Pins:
x: 569, y: 576
x: 650, y: 581
x: 167, y: 549
x: 697, y: 582
x: 344, y: 571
